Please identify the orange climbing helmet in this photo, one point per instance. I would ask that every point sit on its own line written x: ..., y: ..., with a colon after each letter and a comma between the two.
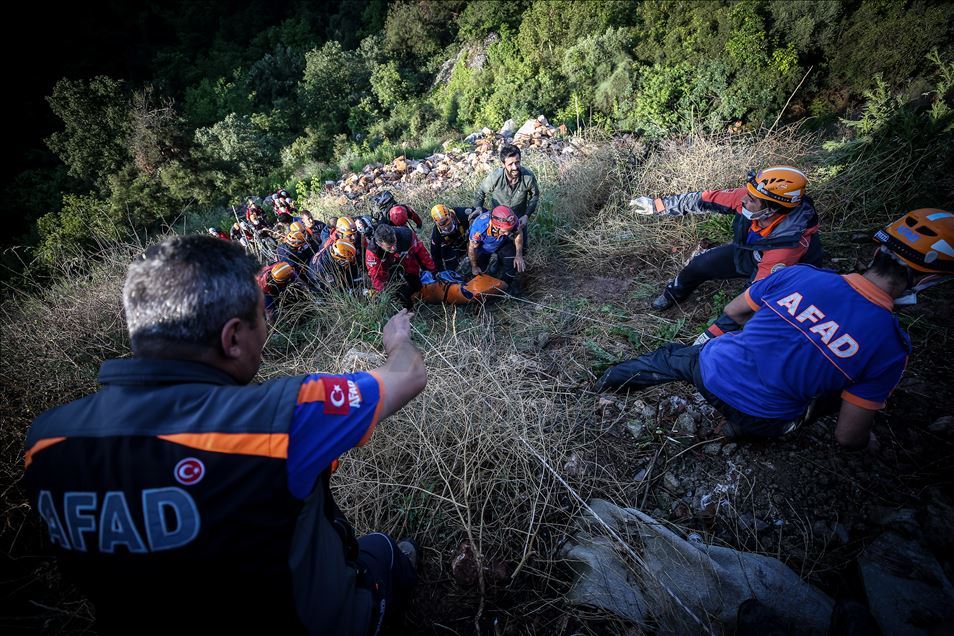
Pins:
x: 296, y: 227
x: 295, y: 239
x: 346, y: 226
x: 923, y: 239
x: 444, y: 218
x: 783, y: 185
x: 282, y: 273
x: 343, y: 251
x: 503, y: 219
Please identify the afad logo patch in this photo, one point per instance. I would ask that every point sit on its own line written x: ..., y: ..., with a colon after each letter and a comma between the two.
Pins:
x: 336, y: 395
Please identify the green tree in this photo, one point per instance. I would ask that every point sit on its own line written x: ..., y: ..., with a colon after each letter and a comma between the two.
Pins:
x: 333, y: 81
x: 95, y: 116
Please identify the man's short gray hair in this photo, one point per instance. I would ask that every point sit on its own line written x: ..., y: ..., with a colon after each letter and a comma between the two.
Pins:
x: 184, y: 290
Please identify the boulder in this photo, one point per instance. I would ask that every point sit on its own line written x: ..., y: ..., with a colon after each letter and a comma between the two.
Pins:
x: 907, y: 590
x: 508, y: 129
x: 675, y: 586
x: 400, y: 164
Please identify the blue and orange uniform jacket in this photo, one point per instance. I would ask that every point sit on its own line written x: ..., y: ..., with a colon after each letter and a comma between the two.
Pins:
x: 177, y: 499
x: 814, y: 332
x: 790, y: 239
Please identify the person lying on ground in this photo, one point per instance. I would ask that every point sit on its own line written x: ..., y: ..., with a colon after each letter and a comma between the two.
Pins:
x: 182, y: 496
x: 497, y: 232
x: 395, y: 253
x: 809, y: 334
x: 775, y: 226
x: 450, y: 236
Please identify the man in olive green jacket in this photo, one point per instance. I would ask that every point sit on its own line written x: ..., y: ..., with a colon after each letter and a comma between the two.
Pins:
x: 512, y: 186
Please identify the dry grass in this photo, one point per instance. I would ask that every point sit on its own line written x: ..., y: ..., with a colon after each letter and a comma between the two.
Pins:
x: 506, y: 439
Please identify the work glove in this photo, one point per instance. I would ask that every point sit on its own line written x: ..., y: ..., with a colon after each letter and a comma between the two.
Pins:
x: 723, y: 324
x: 643, y: 205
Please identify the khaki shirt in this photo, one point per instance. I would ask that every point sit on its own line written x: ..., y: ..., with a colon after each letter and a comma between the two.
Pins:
x: 522, y: 198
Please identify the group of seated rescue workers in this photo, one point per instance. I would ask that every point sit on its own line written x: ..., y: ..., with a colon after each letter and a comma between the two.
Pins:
x: 815, y: 342
x: 367, y: 253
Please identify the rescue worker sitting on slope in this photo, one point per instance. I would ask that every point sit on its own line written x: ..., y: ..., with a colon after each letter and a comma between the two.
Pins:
x: 450, y: 236
x: 775, y: 226
x: 497, y: 232
x: 809, y: 334
x: 335, y: 267
x: 273, y: 279
x: 295, y: 250
x: 394, y: 249
x: 382, y: 205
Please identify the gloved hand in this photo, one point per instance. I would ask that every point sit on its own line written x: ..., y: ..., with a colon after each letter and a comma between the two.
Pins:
x: 643, y: 205
x: 477, y: 212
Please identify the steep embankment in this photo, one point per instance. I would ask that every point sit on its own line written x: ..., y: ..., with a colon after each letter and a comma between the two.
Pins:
x: 487, y: 466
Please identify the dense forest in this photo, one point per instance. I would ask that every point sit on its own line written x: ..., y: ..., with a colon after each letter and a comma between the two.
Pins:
x: 154, y: 109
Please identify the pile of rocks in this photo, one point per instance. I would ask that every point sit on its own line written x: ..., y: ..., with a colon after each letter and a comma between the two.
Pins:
x: 449, y: 169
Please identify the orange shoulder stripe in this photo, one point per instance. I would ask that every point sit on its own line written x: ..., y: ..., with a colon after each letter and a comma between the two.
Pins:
x: 36, y: 448
x: 260, y: 444
x: 312, y: 391
x: 377, y: 409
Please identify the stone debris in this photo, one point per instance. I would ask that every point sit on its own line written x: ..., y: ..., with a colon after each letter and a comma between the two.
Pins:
x: 943, y: 425
x: 451, y: 167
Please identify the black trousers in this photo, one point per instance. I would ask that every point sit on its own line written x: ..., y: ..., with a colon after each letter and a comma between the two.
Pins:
x: 505, y: 255
x: 717, y: 263
x: 676, y: 361
x: 389, y: 575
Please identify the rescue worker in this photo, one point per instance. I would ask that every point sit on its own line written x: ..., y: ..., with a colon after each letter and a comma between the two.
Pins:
x: 242, y: 233
x: 384, y: 203
x: 284, y: 206
x: 497, y: 232
x: 450, y: 236
x: 273, y: 279
x: 511, y: 185
x: 399, y: 215
x: 775, y: 226
x: 295, y: 250
x: 217, y: 233
x: 335, y: 267
x: 397, y: 252
x: 181, y: 497
x: 808, y: 334
x: 312, y: 229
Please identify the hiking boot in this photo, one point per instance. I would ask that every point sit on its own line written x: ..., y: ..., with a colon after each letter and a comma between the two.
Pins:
x: 601, y: 383
x: 663, y: 301
x: 410, y: 549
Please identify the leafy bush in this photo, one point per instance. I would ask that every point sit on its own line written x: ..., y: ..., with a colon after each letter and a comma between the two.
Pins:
x: 95, y: 116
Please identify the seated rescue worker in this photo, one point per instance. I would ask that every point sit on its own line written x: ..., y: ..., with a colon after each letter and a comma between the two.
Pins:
x: 217, y: 233
x: 335, y: 267
x: 295, y: 250
x: 273, y: 279
x: 450, y: 236
x: 397, y: 252
x: 183, y: 497
x: 808, y: 334
x: 775, y: 226
x: 384, y: 203
x: 312, y: 228
x: 497, y: 232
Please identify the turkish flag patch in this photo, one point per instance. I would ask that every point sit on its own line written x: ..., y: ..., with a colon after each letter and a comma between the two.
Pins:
x: 336, y: 395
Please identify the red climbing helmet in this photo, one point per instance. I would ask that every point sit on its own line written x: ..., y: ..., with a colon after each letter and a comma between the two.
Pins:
x: 503, y: 219
x: 398, y: 215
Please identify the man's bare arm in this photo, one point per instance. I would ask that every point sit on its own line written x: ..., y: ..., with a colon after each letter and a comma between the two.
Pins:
x: 403, y: 376
x: 854, y: 426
